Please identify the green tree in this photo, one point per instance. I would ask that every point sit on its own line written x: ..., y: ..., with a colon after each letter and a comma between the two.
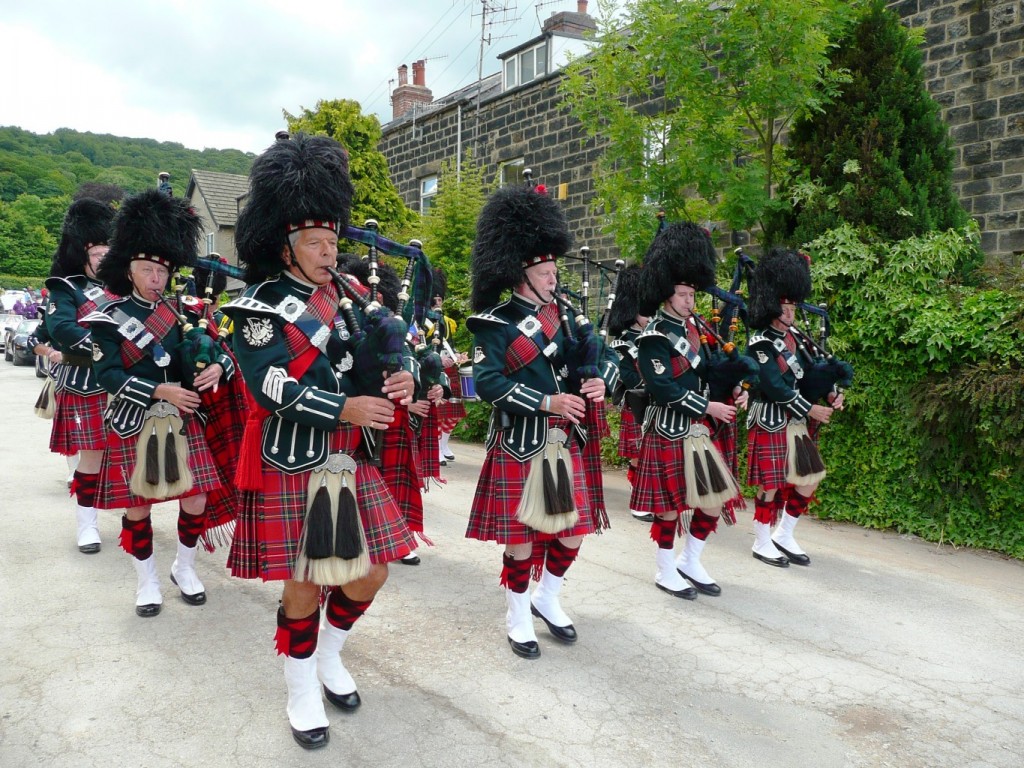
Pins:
x: 693, y: 99
x: 375, y: 195
x: 29, y: 233
x: 880, y: 155
x: 449, y: 228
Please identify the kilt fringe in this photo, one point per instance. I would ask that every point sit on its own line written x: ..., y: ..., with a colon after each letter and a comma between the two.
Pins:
x: 46, y: 405
x: 332, y: 548
x: 161, y: 465
x: 218, y: 536
x: 804, y: 465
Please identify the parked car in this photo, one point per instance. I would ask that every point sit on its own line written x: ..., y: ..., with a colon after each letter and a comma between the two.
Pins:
x: 8, y: 322
x: 21, y: 353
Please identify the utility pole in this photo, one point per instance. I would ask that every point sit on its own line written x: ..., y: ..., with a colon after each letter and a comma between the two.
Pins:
x: 491, y: 12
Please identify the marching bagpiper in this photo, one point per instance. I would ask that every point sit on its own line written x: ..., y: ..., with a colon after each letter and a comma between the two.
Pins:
x: 682, y: 473
x: 782, y: 455
x: 74, y: 289
x: 439, y: 330
x: 625, y: 324
x: 156, y: 449
x: 529, y: 497
x: 316, y: 514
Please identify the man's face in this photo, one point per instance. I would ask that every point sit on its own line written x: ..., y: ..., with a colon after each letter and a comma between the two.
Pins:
x: 315, y: 251
x: 786, y: 318
x: 96, y: 254
x: 681, y: 302
x: 149, y: 278
x: 543, y: 277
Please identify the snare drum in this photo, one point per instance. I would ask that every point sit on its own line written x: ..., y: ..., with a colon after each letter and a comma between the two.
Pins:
x: 467, y: 383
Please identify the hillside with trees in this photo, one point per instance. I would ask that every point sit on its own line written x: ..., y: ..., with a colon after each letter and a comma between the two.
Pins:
x: 39, y: 175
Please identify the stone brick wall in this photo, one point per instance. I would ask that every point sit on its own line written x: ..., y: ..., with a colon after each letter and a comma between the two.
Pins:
x: 974, y: 68
x: 525, y: 123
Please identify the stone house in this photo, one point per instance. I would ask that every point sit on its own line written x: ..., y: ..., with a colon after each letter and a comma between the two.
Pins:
x: 512, y: 119
x: 215, y: 197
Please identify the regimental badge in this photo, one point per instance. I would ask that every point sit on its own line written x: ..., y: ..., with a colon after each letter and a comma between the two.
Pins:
x: 52, y: 308
x: 528, y: 326
x: 97, y: 353
x: 659, y: 367
x: 257, y: 331
x: 346, y: 363
x: 762, y: 358
x: 478, y: 355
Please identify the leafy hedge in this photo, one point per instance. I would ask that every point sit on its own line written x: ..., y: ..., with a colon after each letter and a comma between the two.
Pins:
x: 931, y: 440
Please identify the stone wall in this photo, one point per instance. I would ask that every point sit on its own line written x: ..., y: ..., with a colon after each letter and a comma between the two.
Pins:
x: 974, y: 68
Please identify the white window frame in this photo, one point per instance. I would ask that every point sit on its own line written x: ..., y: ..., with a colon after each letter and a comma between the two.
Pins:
x: 504, y: 179
x: 428, y: 191
x: 513, y: 73
x: 210, y: 243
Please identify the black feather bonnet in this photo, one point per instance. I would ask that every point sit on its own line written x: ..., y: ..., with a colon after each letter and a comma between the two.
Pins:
x: 518, y: 227
x: 681, y: 254
x: 783, y: 274
x: 86, y: 223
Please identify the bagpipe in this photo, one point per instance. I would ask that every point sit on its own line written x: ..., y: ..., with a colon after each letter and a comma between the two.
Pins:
x: 824, y: 373
x: 380, y: 340
x: 427, y: 356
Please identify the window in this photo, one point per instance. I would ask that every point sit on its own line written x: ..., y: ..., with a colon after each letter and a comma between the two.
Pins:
x: 526, y: 65
x: 428, y: 191
x: 209, y: 243
x: 512, y: 172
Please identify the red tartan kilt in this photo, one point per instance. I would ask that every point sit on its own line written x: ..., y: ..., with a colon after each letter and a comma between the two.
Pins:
x: 493, y: 514
x: 451, y: 412
x: 725, y: 441
x: 400, y: 470
x: 661, y: 477
x: 267, y: 534
x: 226, y: 411
x: 766, y: 458
x: 78, y: 423
x: 426, y: 442
x: 112, y: 490
x: 630, y: 435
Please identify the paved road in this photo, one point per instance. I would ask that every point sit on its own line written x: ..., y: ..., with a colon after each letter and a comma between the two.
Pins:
x: 887, y: 651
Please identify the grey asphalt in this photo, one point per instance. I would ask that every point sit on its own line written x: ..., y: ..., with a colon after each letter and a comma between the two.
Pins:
x: 886, y: 651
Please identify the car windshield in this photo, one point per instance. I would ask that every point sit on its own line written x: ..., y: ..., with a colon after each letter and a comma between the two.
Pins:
x: 27, y: 326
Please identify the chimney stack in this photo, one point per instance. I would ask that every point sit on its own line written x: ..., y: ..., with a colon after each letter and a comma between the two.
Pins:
x: 581, y: 6
x: 571, y: 24
x: 406, y: 96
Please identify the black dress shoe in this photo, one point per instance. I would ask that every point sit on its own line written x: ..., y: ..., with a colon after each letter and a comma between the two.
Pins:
x: 708, y: 589
x: 450, y: 456
x: 444, y: 463
x: 646, y: 518
x: 794, y: 558
x: 687, y: 593
x: 528, y: 650
x: 413, y: 559
x: 89, y: 549
x: 345, y: 701
x: 778, y: 562
x: 148, y: 611
x: 199, y: 598
x: 314, y: 738
x: 566, y: 634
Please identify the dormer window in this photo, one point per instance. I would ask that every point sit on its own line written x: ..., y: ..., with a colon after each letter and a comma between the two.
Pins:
x: 526, y: 65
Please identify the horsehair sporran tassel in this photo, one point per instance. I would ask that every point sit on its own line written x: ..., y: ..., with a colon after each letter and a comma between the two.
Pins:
x: 709, y: 483
x: 804, y: 465
x: 532, y: 511
x: 717, y: 481
x: 348, y: 544
x: 332, y: 526
x: 150, y: 477
x: 550, y: 487
x: 566, y: 502
x: 45, y: 406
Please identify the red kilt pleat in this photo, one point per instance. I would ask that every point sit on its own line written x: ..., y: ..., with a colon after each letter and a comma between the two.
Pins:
x: 660, y: 485
x: 493, y: 514
x: 451, y: 412
x: 78, y: 423
x: 630, y: 435
x: 112, y: 490
x: 226, y: 411
x: 766, y: 458
x: 724, y: 439
x: 426, y: 443
x: 270, y: 524
x: 400, y: 471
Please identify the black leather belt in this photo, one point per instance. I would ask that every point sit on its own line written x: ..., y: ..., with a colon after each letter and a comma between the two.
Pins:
x: 79, y: 361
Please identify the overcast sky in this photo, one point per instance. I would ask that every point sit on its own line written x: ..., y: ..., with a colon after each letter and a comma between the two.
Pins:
x: 217, y: 73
